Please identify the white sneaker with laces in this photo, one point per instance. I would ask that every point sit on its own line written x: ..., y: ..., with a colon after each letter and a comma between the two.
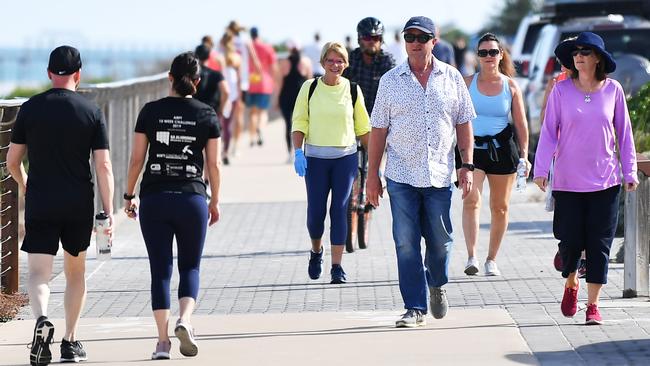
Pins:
x: 491, y: 268
x: 472, y: 266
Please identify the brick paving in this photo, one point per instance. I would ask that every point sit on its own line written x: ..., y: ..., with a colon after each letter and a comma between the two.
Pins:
x: 255, y: 261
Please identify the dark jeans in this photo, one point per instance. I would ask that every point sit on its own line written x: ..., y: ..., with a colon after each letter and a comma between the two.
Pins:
x: 420, y: 212
x: 586, y: 221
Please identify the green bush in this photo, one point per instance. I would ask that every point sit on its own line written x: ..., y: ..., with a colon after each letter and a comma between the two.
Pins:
x: 639, y: 107
x: 26, y: 92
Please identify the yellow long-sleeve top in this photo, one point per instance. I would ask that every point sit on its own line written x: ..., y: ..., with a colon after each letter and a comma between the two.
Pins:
x: 330, y: 119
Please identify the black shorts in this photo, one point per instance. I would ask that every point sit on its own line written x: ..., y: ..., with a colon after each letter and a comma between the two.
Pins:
x: 244, y: 94
x: 507, y: 163
x: 42, y: 236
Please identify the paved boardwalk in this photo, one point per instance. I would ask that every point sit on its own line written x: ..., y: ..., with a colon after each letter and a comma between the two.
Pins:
x: 253, y: 278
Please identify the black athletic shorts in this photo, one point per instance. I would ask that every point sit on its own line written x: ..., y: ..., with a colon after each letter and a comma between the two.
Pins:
x: 42, y: 236
x: 244, y: 94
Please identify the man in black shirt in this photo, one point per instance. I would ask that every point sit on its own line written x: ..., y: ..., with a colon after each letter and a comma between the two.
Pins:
x: 59, y: 129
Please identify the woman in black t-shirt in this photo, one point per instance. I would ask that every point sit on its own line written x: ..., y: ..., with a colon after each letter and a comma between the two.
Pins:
x: 178, y: 132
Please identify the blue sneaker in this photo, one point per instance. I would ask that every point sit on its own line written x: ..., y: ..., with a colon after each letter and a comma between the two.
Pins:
x: 338, y: 274
x: 315, y: 264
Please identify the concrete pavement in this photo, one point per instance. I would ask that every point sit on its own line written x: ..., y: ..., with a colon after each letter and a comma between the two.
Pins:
x: 255, y: 289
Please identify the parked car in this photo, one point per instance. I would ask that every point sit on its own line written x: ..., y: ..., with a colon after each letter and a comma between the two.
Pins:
x: 626, y: 37
x: 523, y: 45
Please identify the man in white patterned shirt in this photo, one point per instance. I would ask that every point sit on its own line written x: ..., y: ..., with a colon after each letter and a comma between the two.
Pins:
x: 422, y: 107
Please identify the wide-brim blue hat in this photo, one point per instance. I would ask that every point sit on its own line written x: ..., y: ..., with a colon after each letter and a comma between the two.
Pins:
x: 585, y: 39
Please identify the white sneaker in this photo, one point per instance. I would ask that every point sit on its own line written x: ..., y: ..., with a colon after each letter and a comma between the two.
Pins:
x: 472, y: 266
x: 185, y: 334
x: 491, y: 268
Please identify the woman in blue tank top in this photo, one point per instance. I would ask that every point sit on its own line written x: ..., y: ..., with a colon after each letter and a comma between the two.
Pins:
x: 496, y: 97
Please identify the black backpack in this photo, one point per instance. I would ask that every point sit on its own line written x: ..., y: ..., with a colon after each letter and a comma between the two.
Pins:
x: 353, y: 93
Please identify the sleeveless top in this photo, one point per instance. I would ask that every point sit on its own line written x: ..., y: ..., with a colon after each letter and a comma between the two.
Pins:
x: 492, y: 112
x: 291, y: 83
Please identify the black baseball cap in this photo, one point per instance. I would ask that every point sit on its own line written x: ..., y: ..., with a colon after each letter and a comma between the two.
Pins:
x: 64, y: 60
x: 422, y: 23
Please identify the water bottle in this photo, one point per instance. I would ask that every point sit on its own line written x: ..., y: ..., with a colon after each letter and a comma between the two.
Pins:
x: 102, y: 240
x: 521, y: 176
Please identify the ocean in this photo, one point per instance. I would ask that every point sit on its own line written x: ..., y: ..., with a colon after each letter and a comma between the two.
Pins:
x: 27, y: 67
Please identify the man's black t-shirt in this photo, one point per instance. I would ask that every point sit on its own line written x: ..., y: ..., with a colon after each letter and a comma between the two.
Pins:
x: 208, y: 89
x: 178, y: 130
x: 60, y: 128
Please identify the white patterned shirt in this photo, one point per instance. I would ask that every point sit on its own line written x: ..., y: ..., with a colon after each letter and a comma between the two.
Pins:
x: 421, y: 123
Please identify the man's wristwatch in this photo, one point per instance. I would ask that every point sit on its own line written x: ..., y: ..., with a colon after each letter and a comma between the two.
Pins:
x: 468, y: 166
x: 128, y: 197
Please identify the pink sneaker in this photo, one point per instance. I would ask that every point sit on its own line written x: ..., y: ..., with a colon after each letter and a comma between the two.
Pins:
x: 593, y: 315
x: 569, y: 304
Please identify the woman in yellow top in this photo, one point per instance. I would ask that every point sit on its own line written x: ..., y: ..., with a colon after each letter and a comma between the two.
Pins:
x: 328, y: 122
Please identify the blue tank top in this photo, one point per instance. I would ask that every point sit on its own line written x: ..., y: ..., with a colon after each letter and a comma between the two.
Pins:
x: 492, y: 112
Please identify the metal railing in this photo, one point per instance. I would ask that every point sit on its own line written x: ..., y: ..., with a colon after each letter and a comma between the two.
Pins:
x: 8, y: 202
x: 120, y: 102
x: 637, y: 235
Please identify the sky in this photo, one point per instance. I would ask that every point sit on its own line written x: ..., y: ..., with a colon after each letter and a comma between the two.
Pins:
x: 181, y: 23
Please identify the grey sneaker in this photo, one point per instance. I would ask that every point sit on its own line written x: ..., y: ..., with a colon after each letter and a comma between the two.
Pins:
x: 438, y: 302
x: 491, y: 268
x: 411, y: 319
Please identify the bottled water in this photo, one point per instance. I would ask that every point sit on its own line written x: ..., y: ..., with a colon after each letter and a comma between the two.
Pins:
x: 521, y: 176
x: 102, y: 240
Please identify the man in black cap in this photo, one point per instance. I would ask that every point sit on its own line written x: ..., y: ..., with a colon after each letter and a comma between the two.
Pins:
x: 58, y: 129
x: 422, y: 107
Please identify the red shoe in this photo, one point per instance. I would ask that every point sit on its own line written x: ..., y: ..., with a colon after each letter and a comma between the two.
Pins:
x: 569, y: 304
x: 593, y: 315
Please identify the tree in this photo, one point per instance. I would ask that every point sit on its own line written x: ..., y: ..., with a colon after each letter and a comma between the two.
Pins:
x: 507, y: 20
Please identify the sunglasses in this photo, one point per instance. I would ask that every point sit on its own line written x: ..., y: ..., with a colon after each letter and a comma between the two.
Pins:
x: 492, y: 52
x: 371, y: 38
x: 582, y: 51
x: 421, y: 38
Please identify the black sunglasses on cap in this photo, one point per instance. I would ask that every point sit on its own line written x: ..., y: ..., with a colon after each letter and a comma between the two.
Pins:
x: 422, y: 38
x: 582, y: 51
x: 492, y: 52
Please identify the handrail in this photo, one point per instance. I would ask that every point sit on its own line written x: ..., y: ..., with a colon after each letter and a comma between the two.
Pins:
x: 120, y: 102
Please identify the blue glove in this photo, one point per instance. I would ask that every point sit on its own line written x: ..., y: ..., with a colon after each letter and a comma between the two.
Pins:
x: 300, y: 163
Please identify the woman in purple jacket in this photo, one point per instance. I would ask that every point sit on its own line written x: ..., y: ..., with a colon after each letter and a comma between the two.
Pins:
x: 586, y: 116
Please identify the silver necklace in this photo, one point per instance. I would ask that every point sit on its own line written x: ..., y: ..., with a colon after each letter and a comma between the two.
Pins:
x: 588, y: 95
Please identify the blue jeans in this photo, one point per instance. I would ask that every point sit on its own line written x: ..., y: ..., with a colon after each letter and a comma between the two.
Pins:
x: 420, y: 212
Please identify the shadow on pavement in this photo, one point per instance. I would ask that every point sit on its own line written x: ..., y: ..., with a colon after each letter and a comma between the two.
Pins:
x: 627, y: 352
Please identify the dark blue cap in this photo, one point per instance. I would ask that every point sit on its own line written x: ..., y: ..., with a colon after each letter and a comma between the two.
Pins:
x: 422, y: 23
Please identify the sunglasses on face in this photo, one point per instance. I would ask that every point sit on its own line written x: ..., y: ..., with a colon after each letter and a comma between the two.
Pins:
x: 371, y: 38
x: 582, y: 51
x: 421, y: 38
x: 492, y: 52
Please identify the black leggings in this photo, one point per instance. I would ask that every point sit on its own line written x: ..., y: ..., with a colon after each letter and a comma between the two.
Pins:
x: 287, y: 113
x: 166, y: 215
